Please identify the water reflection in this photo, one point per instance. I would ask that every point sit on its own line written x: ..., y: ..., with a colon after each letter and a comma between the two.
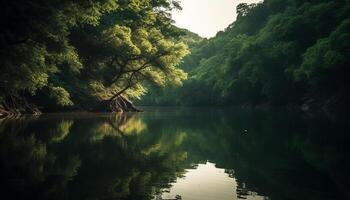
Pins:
x: 209, y: 182
x: 200, y: 154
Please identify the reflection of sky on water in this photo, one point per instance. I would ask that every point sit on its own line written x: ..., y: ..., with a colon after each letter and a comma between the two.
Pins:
x: 207, y: 182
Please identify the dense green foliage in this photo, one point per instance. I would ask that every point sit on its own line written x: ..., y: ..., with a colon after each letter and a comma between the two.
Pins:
x: 277, y: 52
x: 83, y: 52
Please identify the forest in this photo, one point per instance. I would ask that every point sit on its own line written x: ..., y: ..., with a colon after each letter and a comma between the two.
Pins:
x: 103, y: 55
x: 277, y: 53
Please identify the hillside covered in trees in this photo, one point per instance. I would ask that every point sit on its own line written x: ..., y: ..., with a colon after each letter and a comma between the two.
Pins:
x: 277, y: 53
x: 100, y: 55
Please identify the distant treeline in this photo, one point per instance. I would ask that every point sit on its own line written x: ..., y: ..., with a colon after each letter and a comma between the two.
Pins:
x: 277, y: 53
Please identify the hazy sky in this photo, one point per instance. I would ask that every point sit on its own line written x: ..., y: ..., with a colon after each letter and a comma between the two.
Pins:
x: 207, y: 17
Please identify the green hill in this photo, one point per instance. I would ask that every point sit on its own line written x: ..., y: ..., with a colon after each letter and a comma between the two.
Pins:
x: 276, y: 53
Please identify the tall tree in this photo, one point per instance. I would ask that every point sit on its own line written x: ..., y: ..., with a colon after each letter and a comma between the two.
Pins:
x: 73, y: 52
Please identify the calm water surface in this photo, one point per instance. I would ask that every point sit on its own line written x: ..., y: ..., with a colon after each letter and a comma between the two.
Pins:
x: 199, y: 154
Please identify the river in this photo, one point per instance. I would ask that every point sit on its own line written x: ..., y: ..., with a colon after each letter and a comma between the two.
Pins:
x: 195, y: 153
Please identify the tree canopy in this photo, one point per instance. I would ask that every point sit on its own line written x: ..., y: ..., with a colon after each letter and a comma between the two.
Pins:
x: 65, y: 53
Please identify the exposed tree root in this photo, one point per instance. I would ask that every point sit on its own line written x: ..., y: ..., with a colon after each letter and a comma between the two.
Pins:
x: 15, y: 106
x: 121, y: 104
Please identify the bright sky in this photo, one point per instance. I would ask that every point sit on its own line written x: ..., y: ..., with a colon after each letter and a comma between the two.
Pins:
x: 207, y: 17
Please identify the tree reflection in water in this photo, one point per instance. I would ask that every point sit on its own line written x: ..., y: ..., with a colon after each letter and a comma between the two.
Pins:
x: 271, y: 154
